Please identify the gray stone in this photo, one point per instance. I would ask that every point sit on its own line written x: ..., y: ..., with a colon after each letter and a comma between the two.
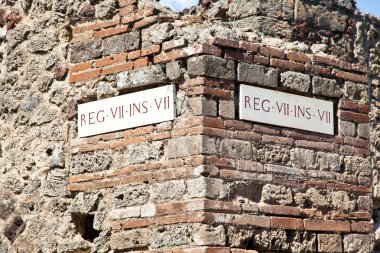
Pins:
x: 141, y: 77
x: 90, y: 163
x: 236, y: 149
x: 295, y: 81
x: 43, y: 115
x: 303, y: 242
x: 303, y: 158
x: 73, y: 246
x: 57, y: 158
x: 318, y: 198
x: 55, y: 184
x: 106, y: 9
x: 364, y: 131
x: 156, y: 34
x: 347, y: 128
x: 239, y: 237
x: 85, y: 51
x: 169, y: 236
x: 326, y: 87
x: 365, y: 203
x: 275, y: 240
x: 329, y: 161
x: 50, y: 61
x: 272, y: 154
x: 357, y: 243
x: 206, y: 235
x: 39, y: 44
x: 204, y: 187
x: 132, y: 40
x: 227, y: 109
x: 17, y: 35
x: 173, y: 71
x: 330, y: 243
x: 340, y: 201
x: 208, y: 65
x: 356, y: 91
x: 256, y: 74
x: 131, y: 239
x: 202, y: 106
x: 131, y: 196
x: 84, y: 203
x: 265, y: 25
x: 191, y: 145
x: 171, y: 190
x: 357, y: 166
x: 114, y: 45
x: 276, y: 194
x: 105, y: 90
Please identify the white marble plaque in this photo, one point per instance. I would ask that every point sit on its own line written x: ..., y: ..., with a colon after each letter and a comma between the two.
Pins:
x: 287, y: 110
x: 127, y: 111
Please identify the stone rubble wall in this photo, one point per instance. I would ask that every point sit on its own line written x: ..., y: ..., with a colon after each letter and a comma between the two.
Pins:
x: 206, y: 181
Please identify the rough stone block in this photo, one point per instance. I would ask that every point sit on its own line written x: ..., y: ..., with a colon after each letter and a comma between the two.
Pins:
x: 347, y: 128
x: 202, y: 106
x: 171, y: 190
x: 169, y: 236
x: 303, y: 158
x: 84, y: 203
x: 130, y: 239
x: 363, y: 131
x: 303, y: 242
x: 206, y: 187
x: 156, y: 34
x: 206, y: 235
x: 365, y: 203
x: 114, y: 45
x: 132, y: 41
x: 90, y: 163
x: 326, y: 87
x: 296, y: 81
x: 191, y: 145
x: 266, y: 25
x: 330, y: 243
x: 256, y: 74
x: 340, y: 201
x: 357, y: 243
x: 276, y: 194
x: 356, y: 91
x: 227, y: 109
x: 85, y: 51
x: 173, y: 71
x: 208, y: 65
x: 329, y: 161
x: 357, y: 166
x: 237, y: 149
x: 141, y: 77
x: 130, y: 196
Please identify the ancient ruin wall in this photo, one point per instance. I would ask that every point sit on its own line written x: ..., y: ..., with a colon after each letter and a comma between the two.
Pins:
x: 206, y: 181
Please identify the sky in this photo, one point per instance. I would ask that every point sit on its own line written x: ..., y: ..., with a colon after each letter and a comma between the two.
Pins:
x: 180, y: 5
x: 369, y: 6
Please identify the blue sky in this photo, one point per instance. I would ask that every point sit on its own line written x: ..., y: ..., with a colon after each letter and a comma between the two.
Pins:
x: 180, y: 5
x: 370, y: 6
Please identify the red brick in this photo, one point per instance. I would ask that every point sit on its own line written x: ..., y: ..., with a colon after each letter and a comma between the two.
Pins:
x: 257, y: 221
x: 128, y: 9
x: 146, y: 22
x: 192, y: 19
x: 123, y: 3
x: 173, y: 44
x: 314, y: 145
x: 327, y: 225
x: 237, y: 55
x: 188, y: 132
x: 96, y: 26
x: 296, y: 56
x: 360, y: 68
x: 348, y: 105
x: 249, y: 166
x: 354, y: 117
x: 216, y: 132
x: 81, y: 66
x: 93, y: 147
x: 237, y: 125
x: 273, y: 52
x: 224, y: 42
x: 303, y: 135
x: 277, y: 140
x: 364, y: 108
x: 287, y: 223
x: 356, y: 142
x: 137, y: 16
x: 212, y: 122
x: 249, y: 46
x: 75, y: 78
x: 134, y: 54
x: 317, y: 69
x: 187, y: 122
x: 261, y: 59
x: 280, y: 210
x: 141, y: 63
x: 154, y: 49
x: 266, y: 129
x: 117, y: 68
x: 82, y: 37
x: 350, y: 76
x: 159, y: 136
x: 248, y: 136
x: 138, y: 131
x: 104, y: 137
x: 111, y: 31
x: 287, y: 65
x: 325, y: 60
x: 243, y: 251
x: 361, y: 226
x: 109, y: 60
x: 198, y: 90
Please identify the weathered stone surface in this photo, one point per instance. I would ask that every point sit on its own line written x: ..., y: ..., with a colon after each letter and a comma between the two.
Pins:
x: 303, y: 158
x: 85, y: 51
x: 330, y: 243
x: 171, y: 190
x: 84, y: 203
x: 74, y: 246
x: 202, y: 106
x: 329, y: 161
x: 347, y: 128
x: 208, y: 65
x: 326, y: 87
x: 235, y: 149
x: 318, y: 198
x: 356, y: 91
x: 167, y: 236
x: 364, y: 131
x: 174, y: 71
x: 227, y: 109
x: 303, y: 242
x: 130, y: 239
x: 40, y: 44
x: 341, y: 201
x: 265, y: 25
x: 206, y: 235
x: 191, y: 145
x: 105, y: 90
x: 239, y: 237
x: 141, y: 77
x: 131, y: 196
x: 114, y: 45
x: 270, y: 240
x: 256, y: 74
x: 132, y: 40
x: 106, y: 9
x: 365, y: 203
x: 357, y: 166
x: 275, y: 194
x: 90, y: 163
x: 357, y: 243
x: 206, y: 187
x: 156, y: 34
x: 295, y: 81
